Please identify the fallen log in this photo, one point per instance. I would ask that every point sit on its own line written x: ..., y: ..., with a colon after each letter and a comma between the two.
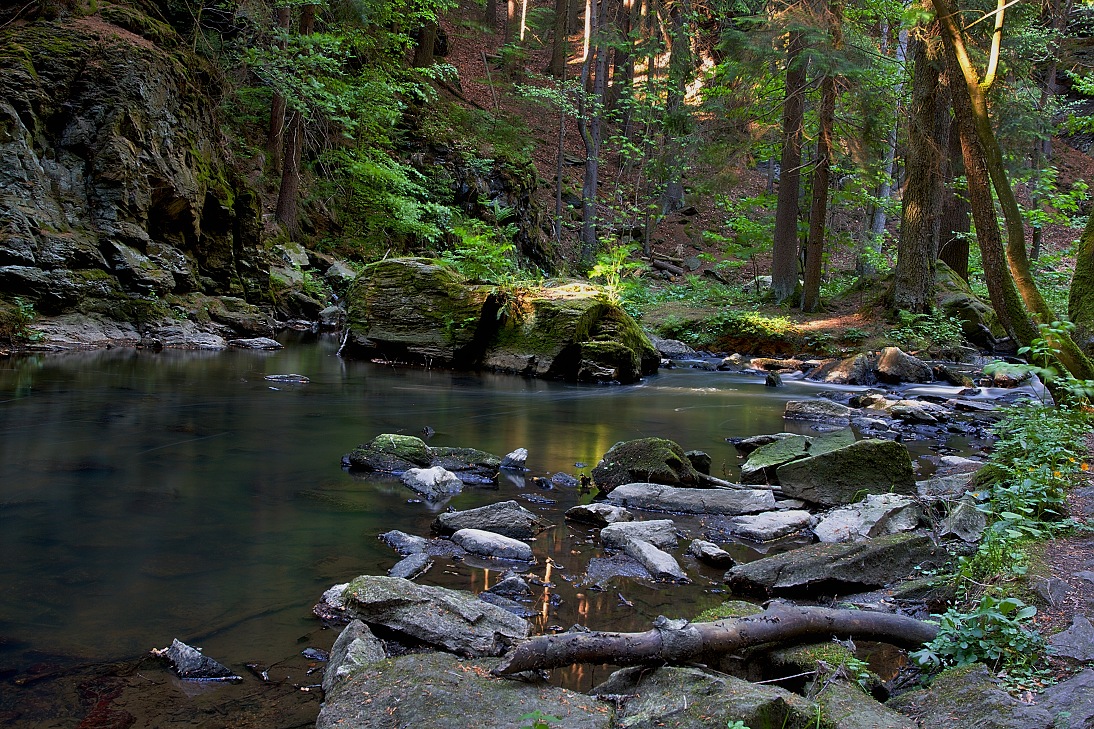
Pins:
x: 678, y: 641
x: 666, y: 266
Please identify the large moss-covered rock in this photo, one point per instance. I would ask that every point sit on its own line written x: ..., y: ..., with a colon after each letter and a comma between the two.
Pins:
x: 571, y: 333
x: 441, y: 691
x: 971, y: 697
x: 415, y: 309
x: 843, y: 475
x: 837, y: 568
x: 645, y: 460
x: 390, y: 453
x: 115, y: 187
x: 979, y: 323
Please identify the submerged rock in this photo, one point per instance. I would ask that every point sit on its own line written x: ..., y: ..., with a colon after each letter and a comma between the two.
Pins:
x: 411, y: 566
x: 192, y: 664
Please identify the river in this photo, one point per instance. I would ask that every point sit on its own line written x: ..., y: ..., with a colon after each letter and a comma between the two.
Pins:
x: 146, y: 496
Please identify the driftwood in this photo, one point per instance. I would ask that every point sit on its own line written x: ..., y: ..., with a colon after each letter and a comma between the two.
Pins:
x: 678, y: 641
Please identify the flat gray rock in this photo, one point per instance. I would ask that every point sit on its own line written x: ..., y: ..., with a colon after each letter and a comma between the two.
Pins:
x: 661, y: 565
x: 658, y: 532
x: 404, y: 543
x: 598, y: 514
x: 495, y: 546
x: 451, y: 620
x: 771, y: 525
x: 411, y: 566
x: 255, y: 343
x: 507, y: 518
x: 823, y: 411
x: 655, y: 497
x: 433, y: 483
x: 710, y: 553
x: 1077, y: 641
x: 874, y: 516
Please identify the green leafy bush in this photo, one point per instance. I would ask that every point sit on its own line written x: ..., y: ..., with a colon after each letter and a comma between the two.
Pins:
x: 996, y: 631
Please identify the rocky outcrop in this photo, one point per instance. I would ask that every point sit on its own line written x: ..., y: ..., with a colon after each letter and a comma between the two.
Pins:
x: 116, y: 193
x: 420, y: 310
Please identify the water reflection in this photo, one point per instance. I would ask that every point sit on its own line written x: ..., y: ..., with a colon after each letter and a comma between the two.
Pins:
x: 146, y: 496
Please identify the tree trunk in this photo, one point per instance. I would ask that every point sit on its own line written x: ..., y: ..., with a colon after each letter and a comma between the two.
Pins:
x: 784, y: 256
x: 672, y: 641
x: 953, y: 223
x: 1069, y: 354
x: 589, y: 125
x: 491, y: 13
x: 1080, y: 304
x: 275, y: 140
x: 913, y: 280
x: 872, y: 242
x: 423, y: 51
x: 677, y: 118
x: 560, y: 44
x: 288, y: 196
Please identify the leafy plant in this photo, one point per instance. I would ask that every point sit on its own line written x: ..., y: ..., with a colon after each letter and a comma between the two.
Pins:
x: 926, y: 331
x: 996, y: 632
x: 614, y: 266
x: 538, y: 720
x: 1043, y: 362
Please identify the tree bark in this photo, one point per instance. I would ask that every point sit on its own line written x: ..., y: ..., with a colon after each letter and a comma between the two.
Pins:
x: 953, y: 223
x: 275, y: 139
x: 679, y: 642
x: 423, y: 51
x: 913, y: 280
x: 590, y: 111
x: 288, y: 196
x: 1069, y: 354
x: 1080, y: 304
x: 560, y: 44
x: 784, y: 256
x: 677, y: 118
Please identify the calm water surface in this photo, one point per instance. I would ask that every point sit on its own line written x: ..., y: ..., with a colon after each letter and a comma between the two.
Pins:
x: 146, y: 496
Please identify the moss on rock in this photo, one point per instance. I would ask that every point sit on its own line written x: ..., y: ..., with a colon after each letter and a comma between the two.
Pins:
x: 645, y: 460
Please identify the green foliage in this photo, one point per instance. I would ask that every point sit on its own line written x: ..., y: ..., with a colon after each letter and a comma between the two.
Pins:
x: 483, y: 253
x: 15, y: 321
x: 1043, y: 362
x: 615, y: 266
x: 736, y: 724
x: 996, y: 631
x: 538, y: 720
x: 926, y: 331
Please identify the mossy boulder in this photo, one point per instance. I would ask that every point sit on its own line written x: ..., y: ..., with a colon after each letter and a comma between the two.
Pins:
x: 572, y: 333
x: 979, y: 323
x: 390, y: 453
x: 845, y: 474
x: 645, y: 460
x: 417, y: 310
x: 971, y: 697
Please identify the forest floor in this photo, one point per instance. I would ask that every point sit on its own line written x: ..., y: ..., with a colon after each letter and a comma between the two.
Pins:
x: 699, y: 231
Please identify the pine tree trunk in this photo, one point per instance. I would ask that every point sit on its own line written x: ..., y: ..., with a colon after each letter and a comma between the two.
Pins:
x: 589, y: 125
x: 288, y: 196
x: 423, y: 51
x: 818, y: 210
x: 677, y: 117
x: 913, y: 279
x: 784, y: 256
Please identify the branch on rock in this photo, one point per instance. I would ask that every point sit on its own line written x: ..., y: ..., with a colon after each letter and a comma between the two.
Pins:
x: 678, y: 641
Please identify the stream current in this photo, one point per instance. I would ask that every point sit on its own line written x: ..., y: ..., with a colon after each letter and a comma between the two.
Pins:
x: 148, y: 496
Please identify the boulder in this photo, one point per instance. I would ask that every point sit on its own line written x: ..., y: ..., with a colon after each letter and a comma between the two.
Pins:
x: 495, y: 546
x: 761, y: 464
x: 837, y: 568
x: 433, y: 484
x: 660, y: 564
x: 964, y: 521
x: 822, y: 411
x: 745, y: 446
x: 874, y: 516
x: 651, y: 460
x: 693, y: 698
x: 847, y: 706
x: 411, y: 566
x: 389, y: 453
x: 507, y: 518
x: 570, y: 332
x: 657, y: 497
x: 917, y: 411
x: 771, y: 525
x: 441, y: 691
x: 895, y: 367
x: 255, y: 343
x: 970, y: 697
x: 355, y: 648
x: 516, y: 460
x: 701, y: 460
x: 450, y: 620
x: 471, y: 465
x: 404, y: 543
x: 672, y: 348
x: 710, y: 553
x: 417, y: 309
x: 598, y: 514
x: 658, y: 532
x: 840, y: 476
x: 1071, y: 701
x: 1077, y: 641
x: 979, y: 323
x: 856, y: 370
